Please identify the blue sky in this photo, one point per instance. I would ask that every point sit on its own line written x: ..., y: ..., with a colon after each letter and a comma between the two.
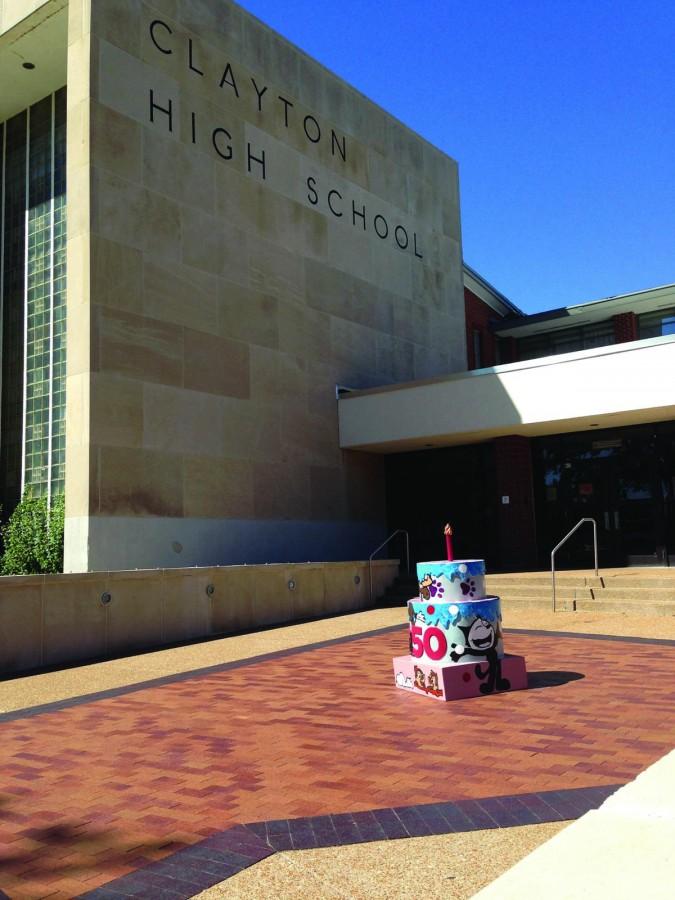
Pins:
x: 560, y: 113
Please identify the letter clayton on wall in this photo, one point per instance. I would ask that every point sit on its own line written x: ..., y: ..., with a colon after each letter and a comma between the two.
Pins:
x: 243, y: 93
x: 256, y: 232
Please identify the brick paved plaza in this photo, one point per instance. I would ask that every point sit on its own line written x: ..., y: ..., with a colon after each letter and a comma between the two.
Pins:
x: 122, y: 782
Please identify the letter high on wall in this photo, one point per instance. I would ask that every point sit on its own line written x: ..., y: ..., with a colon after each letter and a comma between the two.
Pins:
x: 253, y: 231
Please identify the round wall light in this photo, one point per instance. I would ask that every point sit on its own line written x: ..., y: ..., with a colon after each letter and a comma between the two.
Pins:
x: 357, y: 579
x: 105, y: 598
x: 210, y: 590
x: 291, y: 585
x: 28, y: 65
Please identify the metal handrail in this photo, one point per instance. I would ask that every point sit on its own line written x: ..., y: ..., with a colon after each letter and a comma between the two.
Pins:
x: 558, y: 546
x: 384, y: 544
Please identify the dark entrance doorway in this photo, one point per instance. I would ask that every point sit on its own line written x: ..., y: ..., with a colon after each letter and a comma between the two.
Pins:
x: 425, y: 489
x: 624, y: 479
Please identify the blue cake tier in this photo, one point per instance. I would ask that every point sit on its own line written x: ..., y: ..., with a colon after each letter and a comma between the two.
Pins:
x: 453, y: 633
x: 459, y: 580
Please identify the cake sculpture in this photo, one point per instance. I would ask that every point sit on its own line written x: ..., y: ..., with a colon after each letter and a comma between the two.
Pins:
x: 456, y: 641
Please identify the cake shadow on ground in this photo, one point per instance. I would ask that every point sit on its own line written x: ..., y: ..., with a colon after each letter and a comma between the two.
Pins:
x: 545, y: 679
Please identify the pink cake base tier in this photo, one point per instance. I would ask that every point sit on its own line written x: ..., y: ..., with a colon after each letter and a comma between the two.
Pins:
x: 457, y: 682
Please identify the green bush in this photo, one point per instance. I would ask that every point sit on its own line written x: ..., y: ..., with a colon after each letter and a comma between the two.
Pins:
x: 33, y: 537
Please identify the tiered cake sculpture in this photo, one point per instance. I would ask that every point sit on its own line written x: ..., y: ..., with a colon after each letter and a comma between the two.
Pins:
x: 456, y: 643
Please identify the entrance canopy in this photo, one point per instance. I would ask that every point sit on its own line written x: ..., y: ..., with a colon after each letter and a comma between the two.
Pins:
x: 622, y: 384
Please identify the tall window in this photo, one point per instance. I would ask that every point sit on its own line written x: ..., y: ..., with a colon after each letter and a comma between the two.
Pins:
x: 33, y: 295
x: 656, y: 324
x: 566, y: 340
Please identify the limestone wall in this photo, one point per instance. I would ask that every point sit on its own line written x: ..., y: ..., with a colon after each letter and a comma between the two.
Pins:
x: 256, y: 233
x: 50, y: 620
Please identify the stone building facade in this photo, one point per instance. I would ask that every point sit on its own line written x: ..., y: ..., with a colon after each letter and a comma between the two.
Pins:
x: 245, y: 232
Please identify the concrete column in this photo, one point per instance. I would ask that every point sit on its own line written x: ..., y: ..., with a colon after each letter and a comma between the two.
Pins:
x: 516, y: 519
x: 81, y: 457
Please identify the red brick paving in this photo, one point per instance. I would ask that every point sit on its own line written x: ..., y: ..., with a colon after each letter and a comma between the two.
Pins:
x: 90, y: 792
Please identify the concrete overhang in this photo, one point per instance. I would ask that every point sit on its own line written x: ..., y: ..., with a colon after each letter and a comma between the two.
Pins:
x: 624, y: 384
x: 31, y: 32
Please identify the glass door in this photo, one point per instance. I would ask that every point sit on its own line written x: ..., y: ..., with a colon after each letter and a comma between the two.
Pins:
x: 636, y: 515
x: 572, y: 485
x: 666, y: 486
x: 621, y: 479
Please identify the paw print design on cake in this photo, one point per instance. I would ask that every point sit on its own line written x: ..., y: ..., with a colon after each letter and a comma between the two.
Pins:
x: 468, y: 588
x: 431, y: 587
x: 451, y: 580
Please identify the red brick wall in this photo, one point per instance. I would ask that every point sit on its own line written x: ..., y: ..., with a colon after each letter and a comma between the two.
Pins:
x: 516, y: 522
x: 508, y: 350
x: 625, y: 327
x: 478, y: 318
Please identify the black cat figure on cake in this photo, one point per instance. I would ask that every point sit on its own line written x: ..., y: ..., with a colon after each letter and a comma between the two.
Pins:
x: 455, y: 633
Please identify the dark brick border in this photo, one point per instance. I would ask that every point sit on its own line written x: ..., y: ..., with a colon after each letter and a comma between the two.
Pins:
x: 56, y: 705
x: 193, y: 869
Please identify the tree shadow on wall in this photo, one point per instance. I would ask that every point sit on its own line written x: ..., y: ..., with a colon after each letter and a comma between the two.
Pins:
x: 546, y: 679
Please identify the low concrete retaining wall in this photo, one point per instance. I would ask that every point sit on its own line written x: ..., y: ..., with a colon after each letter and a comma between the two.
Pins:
x: 47, y: 620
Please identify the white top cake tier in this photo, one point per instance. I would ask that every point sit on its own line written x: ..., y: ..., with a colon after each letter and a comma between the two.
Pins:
x: 459, y: 580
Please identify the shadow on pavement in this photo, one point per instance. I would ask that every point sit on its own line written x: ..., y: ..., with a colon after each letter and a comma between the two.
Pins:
x: 71, y: 849
x: 551, y: 679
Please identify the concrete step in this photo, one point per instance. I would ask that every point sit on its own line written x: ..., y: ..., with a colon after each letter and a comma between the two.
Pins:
x: 566, y: 604
x: 534, y: 594
x: 404, y: 588
x: 643, y: 607
x: 399, y: 596
x: 633, y: 580
x: 643, y: 591
x: 622, y: 592
x: 505, y: 581
x: 646, y: 584
x: 405, y: 584
x: 537, y: 590
x: 612, y: 592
